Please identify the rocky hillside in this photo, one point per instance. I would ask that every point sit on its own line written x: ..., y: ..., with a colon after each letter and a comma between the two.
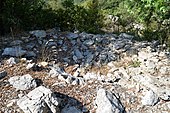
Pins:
x: 63, y: 72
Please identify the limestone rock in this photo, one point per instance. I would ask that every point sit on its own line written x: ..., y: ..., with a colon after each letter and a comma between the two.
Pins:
x: 108, y: 103
x: 150, y: 98
x: 158, y: 84
x: 11, y: 61
x: 39, y: 100
x: 23, y: 82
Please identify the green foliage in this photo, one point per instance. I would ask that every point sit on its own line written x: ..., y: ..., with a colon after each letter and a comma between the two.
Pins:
x: 26, y: 14
x: 153, y: 14
x: 135, y: 63
x: 74, y: 17
x: 41, y: 14
x: 148, y: 9
x: 88, y: 15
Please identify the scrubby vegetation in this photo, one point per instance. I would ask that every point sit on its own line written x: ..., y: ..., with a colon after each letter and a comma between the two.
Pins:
x: 147, y: 19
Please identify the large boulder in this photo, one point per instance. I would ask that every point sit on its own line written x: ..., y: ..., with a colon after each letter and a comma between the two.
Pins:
x: 39, y: 100
x: 108, y: 102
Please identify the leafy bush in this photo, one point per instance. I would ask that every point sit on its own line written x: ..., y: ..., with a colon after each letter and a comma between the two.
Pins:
x: 38, y: 14
x: 75, y: 17
x: 88, y: 15
x: 25, y: 14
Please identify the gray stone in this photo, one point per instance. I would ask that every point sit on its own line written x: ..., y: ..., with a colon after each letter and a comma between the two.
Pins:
x: 150, y: 98
x: 70, y: 109
x: 14, y: 51
x: 60, y: 42
x: 23, y: 82
x: 78, y: 54
x: 88, y: 42
x: 89, y: 57
x: 16, y: 43
x: 125, y: 35
x: 39, y: 100
x: 38, y: 33
x: 119, y: 45
x: 71, y: 36
x: 30, y: 54
x: 108, y: 102
x: 73, y: 42
x: 3, y: 74
x: 30, y: 46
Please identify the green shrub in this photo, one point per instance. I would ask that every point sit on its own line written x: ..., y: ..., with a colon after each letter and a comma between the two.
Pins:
x: 74, y: 17
x: 26, y: 14
x: 135, y: 63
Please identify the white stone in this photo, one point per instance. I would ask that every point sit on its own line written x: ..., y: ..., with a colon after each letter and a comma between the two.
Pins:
x: 150, y: 98
x: 157, y: 84
x: 11, y: 103
x: 30, y: 65
x: 164, y: 70
x: 89, y: 75
x: 108, y: 102
x: 23, y: 82
x: 143, y: 55
x: 39, y: 100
